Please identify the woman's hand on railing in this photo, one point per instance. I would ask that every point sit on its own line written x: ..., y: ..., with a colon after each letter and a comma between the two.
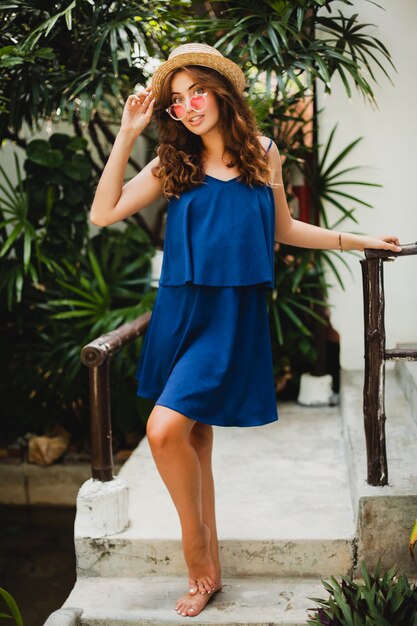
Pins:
x: 385, y: 242
x: 406, y: 249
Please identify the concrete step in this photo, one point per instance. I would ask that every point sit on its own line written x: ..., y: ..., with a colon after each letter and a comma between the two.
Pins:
x: 406, y: 372
x: 385, y: 515
x: 151, y: 601
x: 282, y: 500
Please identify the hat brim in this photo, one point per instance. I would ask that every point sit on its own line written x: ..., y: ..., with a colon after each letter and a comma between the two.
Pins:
x: 224, y: 66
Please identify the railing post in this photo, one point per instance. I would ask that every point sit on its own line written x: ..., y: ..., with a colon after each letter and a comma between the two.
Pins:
x: 97, y: 357
x: 374, y: 381
x: 100, y: 422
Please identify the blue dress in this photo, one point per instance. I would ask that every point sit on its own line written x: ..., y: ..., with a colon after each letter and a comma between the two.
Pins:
x: 207, y: 349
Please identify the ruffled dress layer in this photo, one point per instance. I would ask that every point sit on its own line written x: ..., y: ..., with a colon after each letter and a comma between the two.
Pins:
x: 207, y: 350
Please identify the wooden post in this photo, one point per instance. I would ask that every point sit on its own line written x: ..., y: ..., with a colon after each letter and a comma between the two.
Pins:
x: 100, y: 422
x: 374, y: 382
x: 97, y: 357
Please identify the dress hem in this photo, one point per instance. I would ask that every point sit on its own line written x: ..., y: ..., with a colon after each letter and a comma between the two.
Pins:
x: 155, y: 397
x: 267, y: 283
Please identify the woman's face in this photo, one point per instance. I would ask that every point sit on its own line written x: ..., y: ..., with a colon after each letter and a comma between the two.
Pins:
x: 182, y: 85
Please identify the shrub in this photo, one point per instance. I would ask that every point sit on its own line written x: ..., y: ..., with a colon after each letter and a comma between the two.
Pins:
x: 378, y: 601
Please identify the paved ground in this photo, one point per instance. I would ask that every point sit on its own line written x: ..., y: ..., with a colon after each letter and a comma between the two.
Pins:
x: 37, y: 559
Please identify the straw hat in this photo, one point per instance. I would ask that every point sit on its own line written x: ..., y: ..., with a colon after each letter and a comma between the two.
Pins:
x: 198, y: 54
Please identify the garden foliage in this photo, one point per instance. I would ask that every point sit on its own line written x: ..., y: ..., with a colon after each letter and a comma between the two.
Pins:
x: 386, y: 599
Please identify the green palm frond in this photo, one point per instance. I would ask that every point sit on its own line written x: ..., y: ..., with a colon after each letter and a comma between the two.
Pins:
x: 12, y: 606
x: 296, y: 40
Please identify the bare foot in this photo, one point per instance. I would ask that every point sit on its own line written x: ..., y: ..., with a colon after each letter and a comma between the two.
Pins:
x: 202, y: 571
x: 189, y: 605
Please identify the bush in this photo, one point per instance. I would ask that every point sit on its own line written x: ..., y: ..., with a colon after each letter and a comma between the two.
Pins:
x: 378, y: 601
x: 61, y: 288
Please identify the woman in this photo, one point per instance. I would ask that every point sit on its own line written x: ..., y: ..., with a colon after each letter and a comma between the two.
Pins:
x: 206, y: 356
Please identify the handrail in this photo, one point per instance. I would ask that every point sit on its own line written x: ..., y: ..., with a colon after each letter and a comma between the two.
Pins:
x: 96, y: 355
x: 407, y: 249
x: 375, y: 356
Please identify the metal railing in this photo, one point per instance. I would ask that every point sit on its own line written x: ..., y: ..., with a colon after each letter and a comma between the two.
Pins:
x: 96, y: 355
x: 375, y: 356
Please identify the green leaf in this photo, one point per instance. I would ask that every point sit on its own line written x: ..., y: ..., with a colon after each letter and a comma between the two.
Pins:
x: 78, y: 168
x: 40, y: 152
x: 45, y: 27
x: 295, y: 319
x: 69, y: 315
x: 97, y: 272
x: 77, y: 144
x: 11, y: 603
x: 12, y: 237
x: 27, y: 246
x: 278, y: 326
x: 69, y: 302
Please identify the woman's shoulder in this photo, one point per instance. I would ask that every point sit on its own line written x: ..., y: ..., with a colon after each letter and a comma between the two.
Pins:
x: 270, y: 147
x: 264, y: 141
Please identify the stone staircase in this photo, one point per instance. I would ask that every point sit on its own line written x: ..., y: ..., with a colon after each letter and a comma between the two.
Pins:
x: 293, y: 506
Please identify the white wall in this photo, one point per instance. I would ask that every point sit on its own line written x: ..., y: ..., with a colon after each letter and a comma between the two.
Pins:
x: 389, y: 147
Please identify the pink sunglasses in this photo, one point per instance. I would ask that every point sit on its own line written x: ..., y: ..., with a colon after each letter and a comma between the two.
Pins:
x: 197, y: 103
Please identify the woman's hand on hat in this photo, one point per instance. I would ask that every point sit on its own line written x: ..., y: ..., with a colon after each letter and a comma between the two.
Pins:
x: 137, y: 112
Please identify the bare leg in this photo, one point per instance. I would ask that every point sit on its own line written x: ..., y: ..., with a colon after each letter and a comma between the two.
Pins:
x: 178, y: 463
x: 201, y: 438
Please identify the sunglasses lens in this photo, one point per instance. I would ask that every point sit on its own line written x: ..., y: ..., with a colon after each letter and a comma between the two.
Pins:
x: 177, y: 111
x: 198, y: 103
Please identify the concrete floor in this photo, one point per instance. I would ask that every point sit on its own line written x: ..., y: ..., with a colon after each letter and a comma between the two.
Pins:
x: 37, y: 559
x: 282, y: 501
x: 278, y: 481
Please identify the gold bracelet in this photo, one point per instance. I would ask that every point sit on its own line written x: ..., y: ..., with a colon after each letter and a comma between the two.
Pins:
x: 340, y: 242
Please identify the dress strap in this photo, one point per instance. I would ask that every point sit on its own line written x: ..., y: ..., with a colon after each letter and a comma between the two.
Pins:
x: 270, y: 144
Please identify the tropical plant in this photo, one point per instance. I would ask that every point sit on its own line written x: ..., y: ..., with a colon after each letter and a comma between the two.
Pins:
x: 45, y: 213
x: 96, y: 282
x: 383, y: 599
x: 301, y: 275
x: 329, y: 185
x: 72, y: 60
x: 12, y: 606
x: 295, y: 43
x: 77, y: 62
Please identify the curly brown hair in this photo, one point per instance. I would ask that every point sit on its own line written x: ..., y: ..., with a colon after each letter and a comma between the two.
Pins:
x: 180, y: 150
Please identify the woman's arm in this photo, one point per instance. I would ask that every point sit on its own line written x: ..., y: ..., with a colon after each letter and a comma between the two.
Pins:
x: 297, y: 233
x: 114, y: 201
